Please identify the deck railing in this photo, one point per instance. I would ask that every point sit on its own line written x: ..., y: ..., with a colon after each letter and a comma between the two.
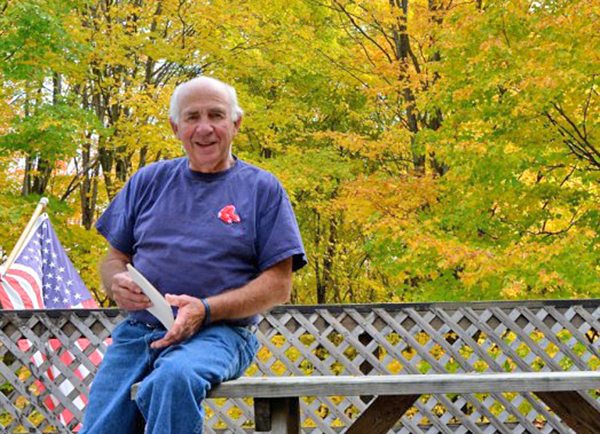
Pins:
x: 48, y: 359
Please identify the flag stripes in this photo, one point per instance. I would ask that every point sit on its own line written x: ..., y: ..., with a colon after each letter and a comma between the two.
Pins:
x: 42, y: 277
x: 22, y: 288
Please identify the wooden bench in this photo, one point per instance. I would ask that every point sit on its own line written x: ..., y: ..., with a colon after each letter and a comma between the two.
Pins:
x: 277, y: 410
x: 416, y: 341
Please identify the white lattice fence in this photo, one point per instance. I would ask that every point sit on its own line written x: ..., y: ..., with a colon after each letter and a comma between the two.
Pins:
x: 47, y: 362
x: 339, y: 340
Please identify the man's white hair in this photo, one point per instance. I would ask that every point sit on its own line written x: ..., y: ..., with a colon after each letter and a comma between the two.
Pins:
x: 236, y: 110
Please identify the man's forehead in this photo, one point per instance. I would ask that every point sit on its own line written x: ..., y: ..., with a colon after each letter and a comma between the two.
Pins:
x: 198, y: 100
x: 198, y: 106
x: 205, y: 92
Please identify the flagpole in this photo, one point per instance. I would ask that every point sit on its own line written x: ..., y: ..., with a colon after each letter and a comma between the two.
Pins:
x: 41, y: 206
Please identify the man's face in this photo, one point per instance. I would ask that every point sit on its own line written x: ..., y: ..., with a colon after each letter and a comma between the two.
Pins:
x: 205, y: 127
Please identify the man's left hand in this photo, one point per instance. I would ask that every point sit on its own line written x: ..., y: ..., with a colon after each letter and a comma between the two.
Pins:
x: 190, y: 317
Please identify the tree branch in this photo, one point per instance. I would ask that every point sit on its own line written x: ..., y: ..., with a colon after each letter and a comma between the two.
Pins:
x: 360, y: 30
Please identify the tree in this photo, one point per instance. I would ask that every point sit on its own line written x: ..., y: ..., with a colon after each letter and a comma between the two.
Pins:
x: 433, y: 150
x: 518, y: 204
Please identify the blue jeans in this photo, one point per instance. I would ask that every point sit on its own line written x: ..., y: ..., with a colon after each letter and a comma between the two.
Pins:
x: 174, y: 379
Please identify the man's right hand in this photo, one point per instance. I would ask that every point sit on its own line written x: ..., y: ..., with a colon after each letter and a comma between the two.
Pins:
x: 127, y: 294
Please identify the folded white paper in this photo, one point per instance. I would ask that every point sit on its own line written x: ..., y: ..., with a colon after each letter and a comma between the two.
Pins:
x: 160, y: 309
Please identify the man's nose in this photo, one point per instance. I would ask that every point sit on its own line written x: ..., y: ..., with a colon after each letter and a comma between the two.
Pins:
x: 203, y: 127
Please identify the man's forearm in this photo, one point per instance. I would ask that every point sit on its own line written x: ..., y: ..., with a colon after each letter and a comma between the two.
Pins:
x: 114, y: 263
x: 271, y: 288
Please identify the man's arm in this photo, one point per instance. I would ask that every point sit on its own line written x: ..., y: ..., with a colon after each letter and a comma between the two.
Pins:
x: 269, y: 289
x: 119, y: 286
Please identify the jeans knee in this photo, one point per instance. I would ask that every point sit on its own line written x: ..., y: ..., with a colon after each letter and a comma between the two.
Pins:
x: 176, y: 378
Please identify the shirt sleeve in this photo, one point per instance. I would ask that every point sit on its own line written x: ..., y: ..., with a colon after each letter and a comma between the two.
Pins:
x: 278, y: 235
x: 116, y: 224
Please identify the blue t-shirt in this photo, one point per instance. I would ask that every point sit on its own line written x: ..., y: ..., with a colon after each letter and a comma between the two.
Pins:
x: 201, y: 234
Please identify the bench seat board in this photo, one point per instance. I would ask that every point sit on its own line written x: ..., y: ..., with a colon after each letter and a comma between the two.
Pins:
x: 277, y: 397
x: 282, y: 387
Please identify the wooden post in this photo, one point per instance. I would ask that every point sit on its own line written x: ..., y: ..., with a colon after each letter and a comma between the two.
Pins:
x: 382, y: 414
x: 574, y: 410
x: 277, y: 415
x: 262, y: 414
x: 24, y: 235
x: 285, y: 414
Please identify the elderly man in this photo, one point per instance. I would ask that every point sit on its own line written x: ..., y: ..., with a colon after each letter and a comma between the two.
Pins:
x: 219, y: 238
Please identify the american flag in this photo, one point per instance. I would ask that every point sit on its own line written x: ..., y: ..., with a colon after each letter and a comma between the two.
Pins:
x: 43, y: 277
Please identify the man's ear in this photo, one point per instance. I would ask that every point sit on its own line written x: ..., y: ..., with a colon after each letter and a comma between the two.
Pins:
x: 237, y: 124
x: 173, y: 126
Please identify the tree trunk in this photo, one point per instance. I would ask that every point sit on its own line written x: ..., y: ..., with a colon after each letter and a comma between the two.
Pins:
x: 41, y: 176
x: 321, y: 287
x: 26, y: 188
x: 329, y: 260
x: 402, y: 43
x: 88, y: 189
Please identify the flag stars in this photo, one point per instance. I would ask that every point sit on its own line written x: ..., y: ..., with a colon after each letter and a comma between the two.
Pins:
x: 45, y: 259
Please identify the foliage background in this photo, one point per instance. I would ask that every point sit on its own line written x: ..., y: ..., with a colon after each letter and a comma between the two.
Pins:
x: 433, y: 149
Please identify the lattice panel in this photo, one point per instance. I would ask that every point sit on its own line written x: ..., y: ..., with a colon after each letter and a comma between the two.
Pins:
x: 430, y: 338
x: 47, y: 362
x: 337, y: 340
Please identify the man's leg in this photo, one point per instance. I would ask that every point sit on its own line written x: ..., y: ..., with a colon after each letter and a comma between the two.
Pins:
x: 110, y: 409
x: 170, y: 397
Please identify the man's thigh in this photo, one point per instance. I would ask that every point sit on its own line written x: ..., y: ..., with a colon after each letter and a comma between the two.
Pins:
x: 126, y: 362
x: 170, y: 397
x: 215, y: 354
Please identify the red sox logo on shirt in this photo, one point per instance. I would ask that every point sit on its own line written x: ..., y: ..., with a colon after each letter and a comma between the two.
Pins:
x: 228, y: 215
